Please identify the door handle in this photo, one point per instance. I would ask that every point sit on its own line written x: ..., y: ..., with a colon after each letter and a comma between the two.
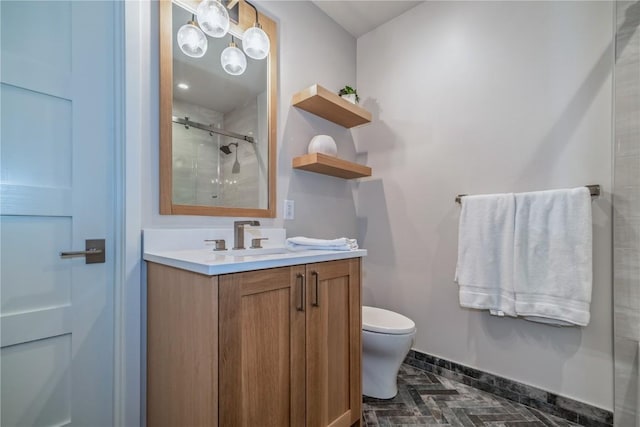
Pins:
x: 300, y: 277
x: 316, y: 301
x: 93, y: 252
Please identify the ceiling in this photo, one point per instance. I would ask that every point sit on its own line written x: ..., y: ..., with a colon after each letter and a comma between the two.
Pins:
x: 361, y: 16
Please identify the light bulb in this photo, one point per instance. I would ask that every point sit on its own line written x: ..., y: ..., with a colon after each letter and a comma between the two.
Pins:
x: 192, y: 40
x: 213, y: 18
x: 233, y: 60
x: 255, y: 42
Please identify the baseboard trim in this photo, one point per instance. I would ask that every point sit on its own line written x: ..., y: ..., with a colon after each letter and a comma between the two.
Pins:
x: 560, y: 406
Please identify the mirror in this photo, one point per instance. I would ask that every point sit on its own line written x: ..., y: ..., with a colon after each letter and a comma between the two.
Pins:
x: 217, y: 131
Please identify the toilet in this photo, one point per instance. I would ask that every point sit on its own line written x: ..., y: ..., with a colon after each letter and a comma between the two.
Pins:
x: 386, y: 339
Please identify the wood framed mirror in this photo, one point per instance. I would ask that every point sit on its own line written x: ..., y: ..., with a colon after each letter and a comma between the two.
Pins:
x: 217, y: 131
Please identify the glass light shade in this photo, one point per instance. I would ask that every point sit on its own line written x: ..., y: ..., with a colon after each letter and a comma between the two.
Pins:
x: 233, y: 60
x: 192, y: 41
x: 213, y: 18
x: 255, y: 43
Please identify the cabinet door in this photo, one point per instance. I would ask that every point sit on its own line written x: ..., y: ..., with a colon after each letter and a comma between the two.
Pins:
x: 333, y: 343
x: 262, y: 363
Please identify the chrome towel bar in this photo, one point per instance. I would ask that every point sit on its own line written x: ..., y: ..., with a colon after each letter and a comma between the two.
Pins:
x: 593, y: 189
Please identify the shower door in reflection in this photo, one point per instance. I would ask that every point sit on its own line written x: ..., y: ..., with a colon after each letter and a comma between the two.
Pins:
x: 213, y: 166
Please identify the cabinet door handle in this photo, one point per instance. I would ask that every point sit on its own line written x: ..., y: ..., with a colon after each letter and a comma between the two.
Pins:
x: 300, y: 278
x: 316, y: 302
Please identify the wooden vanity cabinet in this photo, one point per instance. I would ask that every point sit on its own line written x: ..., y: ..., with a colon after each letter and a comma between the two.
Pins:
x: 287, y: 347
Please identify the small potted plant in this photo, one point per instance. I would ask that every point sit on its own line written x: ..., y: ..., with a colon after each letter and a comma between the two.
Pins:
x: 350, y: 94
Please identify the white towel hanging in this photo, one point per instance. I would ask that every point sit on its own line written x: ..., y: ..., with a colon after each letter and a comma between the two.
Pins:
x: 484, y: 270
x: 553, y: 256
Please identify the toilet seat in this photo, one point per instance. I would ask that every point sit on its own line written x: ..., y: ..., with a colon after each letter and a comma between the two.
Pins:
x: 386, y: 322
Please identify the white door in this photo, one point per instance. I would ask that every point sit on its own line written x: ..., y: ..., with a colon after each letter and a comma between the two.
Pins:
x: 56, y: 190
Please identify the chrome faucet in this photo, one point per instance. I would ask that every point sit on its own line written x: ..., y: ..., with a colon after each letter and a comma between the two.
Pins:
x: 238, y: 232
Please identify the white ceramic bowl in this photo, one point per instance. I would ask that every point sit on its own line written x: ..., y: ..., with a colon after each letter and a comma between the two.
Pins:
x: 323, y: 144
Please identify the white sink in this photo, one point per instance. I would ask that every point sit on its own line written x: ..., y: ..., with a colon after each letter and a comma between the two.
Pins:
x: 252, y: 252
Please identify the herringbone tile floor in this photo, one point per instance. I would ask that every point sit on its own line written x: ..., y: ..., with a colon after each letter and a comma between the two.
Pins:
x: 425, y: 399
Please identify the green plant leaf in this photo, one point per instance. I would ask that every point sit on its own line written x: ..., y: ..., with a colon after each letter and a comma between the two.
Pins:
x: 348, y: 90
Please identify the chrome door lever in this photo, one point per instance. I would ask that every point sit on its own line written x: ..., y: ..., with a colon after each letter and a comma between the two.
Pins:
x: 93, y: 253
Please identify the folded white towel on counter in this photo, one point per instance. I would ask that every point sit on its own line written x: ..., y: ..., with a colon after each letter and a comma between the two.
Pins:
x: 484, y: 270
x: 553, y: 256
x: 307, y: 243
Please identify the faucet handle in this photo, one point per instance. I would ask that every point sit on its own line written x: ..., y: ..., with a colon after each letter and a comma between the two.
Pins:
x: 220, y: 244
x: 254, y: 223
x: 257, y: 243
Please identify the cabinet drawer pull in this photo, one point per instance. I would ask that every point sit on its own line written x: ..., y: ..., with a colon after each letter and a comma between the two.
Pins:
x: 316, y: 302
x: 300, y: 278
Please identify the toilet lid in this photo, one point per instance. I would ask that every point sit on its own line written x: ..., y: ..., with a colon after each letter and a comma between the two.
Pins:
x: 386, y: 322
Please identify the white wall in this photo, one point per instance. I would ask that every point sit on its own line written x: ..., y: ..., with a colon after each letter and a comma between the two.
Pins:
x: 484, y: 97
x: 313, y: 49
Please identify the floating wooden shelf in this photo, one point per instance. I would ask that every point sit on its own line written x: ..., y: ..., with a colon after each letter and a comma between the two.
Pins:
x: 329, y: 165
x: 326, y: 104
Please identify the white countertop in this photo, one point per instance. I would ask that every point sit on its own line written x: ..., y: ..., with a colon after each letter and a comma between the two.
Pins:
x: 212, y: 263
x: 185, y: 249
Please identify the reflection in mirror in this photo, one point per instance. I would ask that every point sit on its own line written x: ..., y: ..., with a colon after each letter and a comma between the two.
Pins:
x: 211, y: 168
x: 221, y: 128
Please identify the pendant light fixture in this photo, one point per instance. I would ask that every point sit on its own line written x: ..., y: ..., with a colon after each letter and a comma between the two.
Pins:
x: 191, y: 40
x: 213, y: 18
x: 233, y: 60
x: 255, y: 41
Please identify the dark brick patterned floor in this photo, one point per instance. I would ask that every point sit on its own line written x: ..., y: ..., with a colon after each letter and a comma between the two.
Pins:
x: 425, y: 399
